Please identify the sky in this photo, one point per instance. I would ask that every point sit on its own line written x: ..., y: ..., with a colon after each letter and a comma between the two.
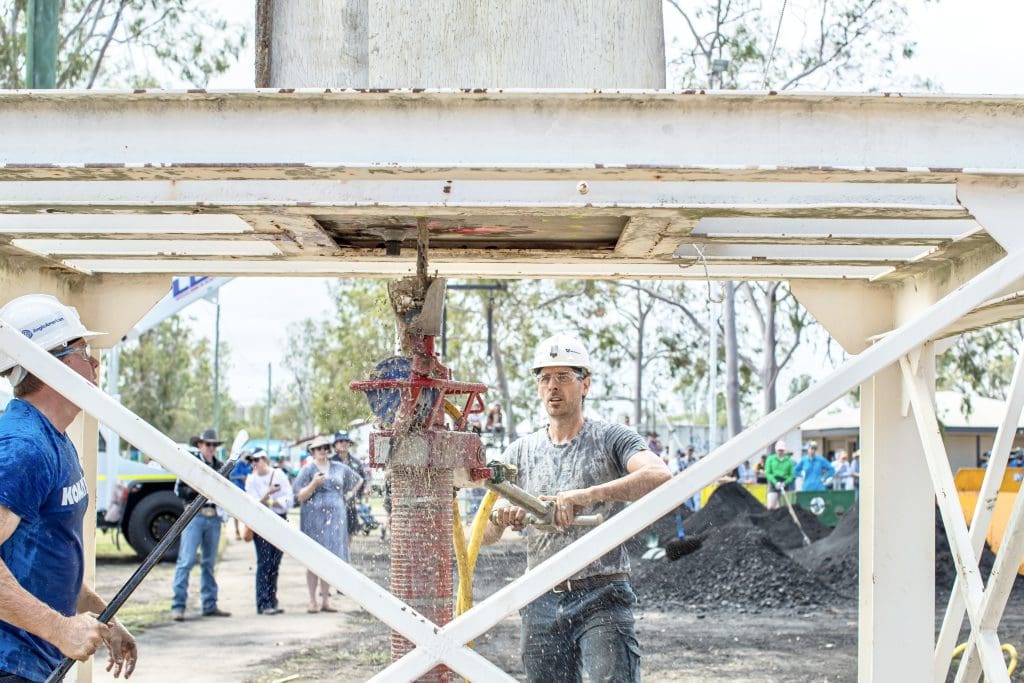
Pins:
x: 964, y: 46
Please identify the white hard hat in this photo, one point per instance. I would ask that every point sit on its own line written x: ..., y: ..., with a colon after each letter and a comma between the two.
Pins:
x: 562, y: 349
x: 46, y: 321
x: 780, y: 445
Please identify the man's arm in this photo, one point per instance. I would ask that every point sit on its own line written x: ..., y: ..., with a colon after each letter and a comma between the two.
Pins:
x: 645, y: 472
x: 76, y: 637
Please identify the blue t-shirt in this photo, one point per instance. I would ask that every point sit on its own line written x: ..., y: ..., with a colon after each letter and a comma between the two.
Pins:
x: 42, y: 482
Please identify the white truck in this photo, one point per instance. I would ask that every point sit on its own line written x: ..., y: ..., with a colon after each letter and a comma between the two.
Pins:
x: 136, y: 498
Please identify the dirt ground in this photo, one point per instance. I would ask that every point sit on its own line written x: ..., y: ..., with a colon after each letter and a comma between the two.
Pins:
x: 680, y: 643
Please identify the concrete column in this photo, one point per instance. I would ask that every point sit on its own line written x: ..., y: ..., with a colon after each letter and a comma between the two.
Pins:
x: 603, y: 44
x: 896, y: 593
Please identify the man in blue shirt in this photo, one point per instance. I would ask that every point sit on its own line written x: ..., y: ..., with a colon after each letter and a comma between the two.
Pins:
x: 814, y: 469
x: 46, y: 613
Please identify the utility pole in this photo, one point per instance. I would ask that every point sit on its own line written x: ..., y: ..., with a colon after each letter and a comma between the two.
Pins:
x: 43, y: 21
x: 216, y: 363
x: 269, y: 398
x: 713, y: 374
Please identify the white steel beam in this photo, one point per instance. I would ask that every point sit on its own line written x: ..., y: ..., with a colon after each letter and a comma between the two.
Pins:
x: 146, y: 223
x: 828, y: 253
x: 996, y: 205
x: 691, y: 136
x: 556, y: 192
x: 308, y: 552
x: 982, y: 517
x: 836, y: 228
x: 964, y: 556
x: 663, y: 499
x: 1004, y: 573
x: 446, y: 266
x: 147, y: 247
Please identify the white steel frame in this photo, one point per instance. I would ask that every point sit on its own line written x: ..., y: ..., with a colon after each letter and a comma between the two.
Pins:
x: 447, y: 644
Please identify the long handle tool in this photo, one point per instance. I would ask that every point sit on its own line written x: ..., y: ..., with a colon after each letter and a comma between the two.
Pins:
x: 154, y: 556
x: 792, y: 513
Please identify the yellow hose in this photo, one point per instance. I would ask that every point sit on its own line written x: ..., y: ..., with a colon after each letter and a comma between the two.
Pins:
x: 1011, y: 666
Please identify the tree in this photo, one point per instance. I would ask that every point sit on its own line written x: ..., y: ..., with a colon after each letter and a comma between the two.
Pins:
x: 981, y: 362
x: 167, y: 380
x: 733, y: 44
x: 119, y: 43
x: 325, y: 355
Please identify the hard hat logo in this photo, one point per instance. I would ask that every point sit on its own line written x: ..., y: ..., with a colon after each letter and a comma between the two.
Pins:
x: 562, y: 350
x: 46, y: 321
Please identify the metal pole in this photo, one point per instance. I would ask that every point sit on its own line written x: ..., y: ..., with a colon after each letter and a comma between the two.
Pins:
x: 216, y: 364
x: 43, y: 21
x: 713, y: 376
x: 269, y: 398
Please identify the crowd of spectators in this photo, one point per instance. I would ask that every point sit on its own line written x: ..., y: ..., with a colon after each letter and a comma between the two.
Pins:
x: 778, y: 470
x: 329, y: 488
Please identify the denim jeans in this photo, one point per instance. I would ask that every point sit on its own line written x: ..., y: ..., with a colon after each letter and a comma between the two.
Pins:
x: 268, y: 565
x: 564, y: 634
x: 202, y: 534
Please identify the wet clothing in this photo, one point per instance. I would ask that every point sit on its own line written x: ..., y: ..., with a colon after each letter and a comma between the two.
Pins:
x: 42, y: 482
x: 599, y: 622
x: 814, y: 472
x: 587, y: 628
x: 596, y: 455
x: 323, y: 517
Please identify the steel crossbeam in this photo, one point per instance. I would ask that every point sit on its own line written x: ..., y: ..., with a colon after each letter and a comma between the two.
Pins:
x: 964, y: 555
x: 982, y: 517
x: 924, y: 325
x: 375, y: 599
x: 997, y: 592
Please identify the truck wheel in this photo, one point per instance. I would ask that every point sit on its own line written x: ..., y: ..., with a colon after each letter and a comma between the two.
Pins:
x: 151, y: 519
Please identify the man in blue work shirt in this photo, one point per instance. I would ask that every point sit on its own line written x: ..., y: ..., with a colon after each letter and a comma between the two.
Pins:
x: 46, y: 612
x: 814, y: 469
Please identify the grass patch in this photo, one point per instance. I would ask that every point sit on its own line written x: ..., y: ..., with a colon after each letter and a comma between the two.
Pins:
x: 137, y: 617
x: 107, y: 546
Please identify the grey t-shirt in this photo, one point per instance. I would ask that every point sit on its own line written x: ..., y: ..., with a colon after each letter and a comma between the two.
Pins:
x: 596, y: 455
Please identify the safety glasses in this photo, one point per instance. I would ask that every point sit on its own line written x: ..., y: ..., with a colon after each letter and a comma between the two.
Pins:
x: 83, y: 350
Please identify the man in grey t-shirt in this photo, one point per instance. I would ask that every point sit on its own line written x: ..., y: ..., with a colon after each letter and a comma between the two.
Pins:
x: 583, y: 467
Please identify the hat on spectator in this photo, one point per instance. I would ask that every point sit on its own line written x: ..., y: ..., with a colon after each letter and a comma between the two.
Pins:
x: 342, y: 435
x: 209, y: 436
x: 320, y: 441
x: 780, y: 446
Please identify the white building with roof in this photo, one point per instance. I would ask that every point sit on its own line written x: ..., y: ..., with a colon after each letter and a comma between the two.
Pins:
x: 967, y: 433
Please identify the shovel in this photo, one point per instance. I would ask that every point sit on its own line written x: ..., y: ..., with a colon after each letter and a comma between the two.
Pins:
x: 155, y: 555
x: 792, y: 513
x: 682, y: 544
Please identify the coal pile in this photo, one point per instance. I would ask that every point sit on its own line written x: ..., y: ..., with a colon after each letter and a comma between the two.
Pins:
x: 784, y: 532
x: 739, y: 565
x: 833, y: 559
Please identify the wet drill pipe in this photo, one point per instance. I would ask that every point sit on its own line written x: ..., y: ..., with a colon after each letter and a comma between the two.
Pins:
x: 154, y: 557
x: 542, y: 512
